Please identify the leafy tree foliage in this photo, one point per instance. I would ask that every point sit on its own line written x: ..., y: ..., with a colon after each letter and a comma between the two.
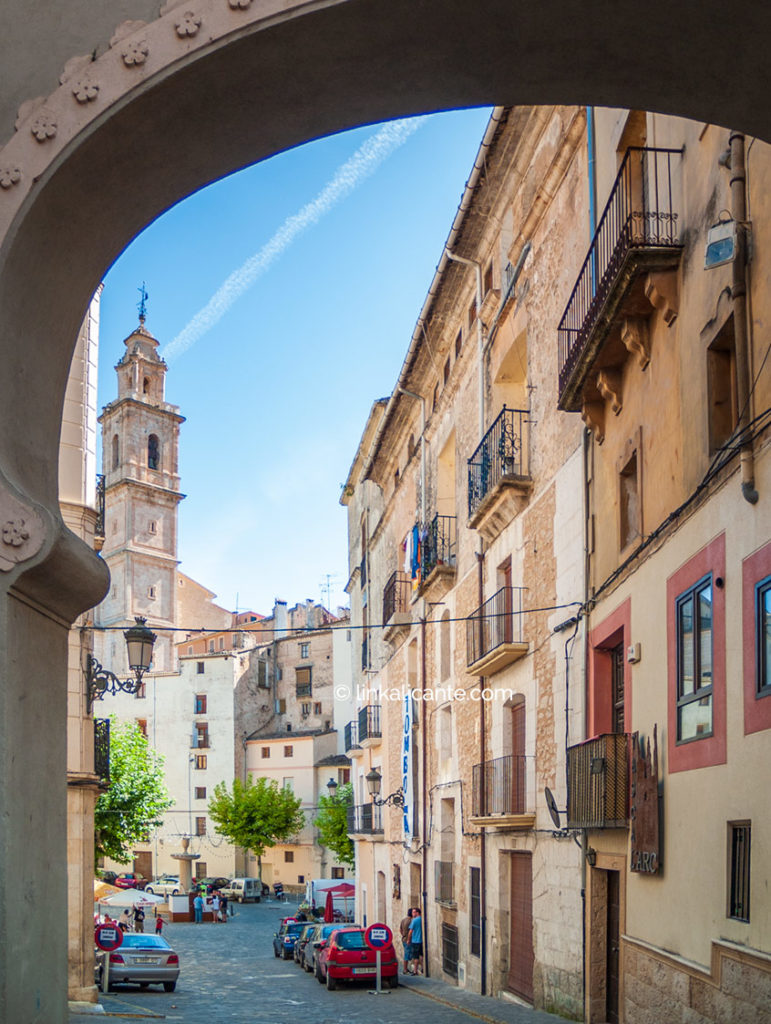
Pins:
x: 136, y: 797
x: 255, y: 815
x: 332, y: 823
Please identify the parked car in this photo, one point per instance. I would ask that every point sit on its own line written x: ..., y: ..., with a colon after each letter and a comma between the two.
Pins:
x: 345, y: 956
x: 285, y: 938
x: 243, y: 889
x: 208, y: 884
x: 302, y: 938
x: 320, y: 933
x: 130, y: 880
x: 107, y: 876
x: 164, y: 885
x: 142, y: 959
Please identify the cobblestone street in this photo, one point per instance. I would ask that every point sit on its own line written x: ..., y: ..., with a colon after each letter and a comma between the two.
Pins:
x: 229, y: 973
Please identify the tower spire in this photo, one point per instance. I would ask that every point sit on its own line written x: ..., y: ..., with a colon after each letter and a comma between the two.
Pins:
x: 142, y: 304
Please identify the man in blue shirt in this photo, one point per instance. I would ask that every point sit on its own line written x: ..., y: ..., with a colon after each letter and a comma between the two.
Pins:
x: 198, y: 908
x: 416, y: 941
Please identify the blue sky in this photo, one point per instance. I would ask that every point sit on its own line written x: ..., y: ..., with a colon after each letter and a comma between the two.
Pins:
x: 276, y: 391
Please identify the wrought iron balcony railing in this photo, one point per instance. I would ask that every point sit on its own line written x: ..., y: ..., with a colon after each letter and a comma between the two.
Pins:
x: 498, y: 786
x: 365, y: 652
x: 396, y: 595
x: 440, y: 545
x: 351, y: 736
x: 364, y: 819
x: 598, y: 782
x: 501, y: 455
x: 369, y: 723
x: 102, y: 750
x: 497, y: 622
x: 99, y: 526
x: 640, y: 215
x: 444, y: 879
x: 303, y: 689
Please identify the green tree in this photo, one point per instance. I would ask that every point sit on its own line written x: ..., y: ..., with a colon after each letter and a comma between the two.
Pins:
x: 136, y: 798
x: 255, y: 815
x: 332, y: 823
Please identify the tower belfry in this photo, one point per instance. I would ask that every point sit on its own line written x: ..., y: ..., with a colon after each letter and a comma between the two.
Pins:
x: 140, y: 456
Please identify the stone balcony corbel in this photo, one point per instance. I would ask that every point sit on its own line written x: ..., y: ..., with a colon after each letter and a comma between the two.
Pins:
x: 609, y: 386
x: 662, y: 292
x: 636, y: 339
x: 593, y: 415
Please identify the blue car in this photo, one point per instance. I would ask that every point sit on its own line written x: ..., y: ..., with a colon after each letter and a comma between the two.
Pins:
x: 285, y: 938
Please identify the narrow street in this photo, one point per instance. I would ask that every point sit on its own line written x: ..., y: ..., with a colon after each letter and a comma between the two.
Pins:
x: 229, y: 973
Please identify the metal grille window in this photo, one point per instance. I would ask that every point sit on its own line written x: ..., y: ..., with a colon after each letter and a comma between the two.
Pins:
x: 265, y: 751
x: 199, y: 667
x: 200, y: 704
x: 200, y: 762
x: 475, y: 909
x: 763, y: 606
x: 200, y: 792
x: 288, y: 751
x: 739, y: 881
x: 303, y: 682
x: 450, y: 950
x: 102, y: 750
x: 694, y: 662
x: 200, y: 826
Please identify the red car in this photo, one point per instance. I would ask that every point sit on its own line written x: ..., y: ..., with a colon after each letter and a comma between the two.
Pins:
x: 345, y: 956
x: 130, y: 880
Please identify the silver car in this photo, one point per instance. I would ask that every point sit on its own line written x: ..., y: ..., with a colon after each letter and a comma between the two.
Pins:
x: 142, y: 959
x: 164, y: 885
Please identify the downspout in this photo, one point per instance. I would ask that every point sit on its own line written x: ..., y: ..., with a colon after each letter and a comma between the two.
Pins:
x: 482, y: 831
x: 421, y: 399
x: 739, y: 296
x: 480, y: 333
x: 424, y: 796
x: 587, y: 456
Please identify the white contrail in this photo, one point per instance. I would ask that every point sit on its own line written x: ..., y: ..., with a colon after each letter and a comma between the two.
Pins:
x: 364, y: 162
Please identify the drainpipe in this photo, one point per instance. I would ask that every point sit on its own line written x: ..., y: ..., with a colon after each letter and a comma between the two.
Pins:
x: 424, y: 797
x: 482, y: 758
x: 739, y: 296
x: 421, y: 399
x: 480, y: 333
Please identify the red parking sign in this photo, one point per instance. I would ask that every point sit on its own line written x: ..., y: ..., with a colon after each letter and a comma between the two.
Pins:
x: 378, y: 935
x: 108, y: 937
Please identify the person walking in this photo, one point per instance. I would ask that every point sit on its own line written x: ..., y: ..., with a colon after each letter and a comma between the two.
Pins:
x: 416, y: 940
x: 158, y: 924
x: 215, y: 906
x: 198, y: 908
x: 404, y: 931
x: 224, y: 908
x: 139, y: 919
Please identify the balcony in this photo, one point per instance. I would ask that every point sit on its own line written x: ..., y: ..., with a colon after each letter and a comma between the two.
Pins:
x: 598, y: 782
x: 352, y: 739
x: 499, y: 793
x: 364, y: 820
x: 99, y: 534
x: 102, y: 751
x: 498, y: 480
x: 629, y: 271
x: 438, y: 556
x: 494, y: 633
x: 369, y: 726
x: 444, y: 882
x: 396, y: 606
x: 303, y: 690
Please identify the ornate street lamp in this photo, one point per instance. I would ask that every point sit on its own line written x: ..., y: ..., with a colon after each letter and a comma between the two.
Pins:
x: 332, y: 787
x: 374, y: 782
x: 99, y: 681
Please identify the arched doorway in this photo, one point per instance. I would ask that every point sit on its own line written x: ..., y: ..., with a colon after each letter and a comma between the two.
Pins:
x: 167, y: 107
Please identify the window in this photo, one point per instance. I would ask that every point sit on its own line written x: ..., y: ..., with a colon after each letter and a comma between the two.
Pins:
x: 488, y: 281
x: 115, y: 452
x: 303, y: 682
x: 305, y: 708
x: 450, y: 950
x: 694, y: 662
x: 151, y: 593
x: 475, y: 907
x: 301, y: 879
x: 153, y: 526
x: 145, y: 386
x: 338, y: 872
x: 281, y: 705
x: 288, y: 856
x: 446, y: 371
x: 317, y: 707
x: 153, y: 452
x: 199, y: 665
x: 201, y: 870
x: 211, y: 647
x: 472, y: 314
x: 739, y: 868
x: 629, y: 502
x: 142, y: 725
x: 190, y: 650
x: 763, y: 636
x: 141, y: 691
x: 200, y: 826
x: 200, y: 704
x: 305, y: 650
x: 444, y: 646
x: 262, y: 674
x: 458, y: 343
x: 288, y: 783
x: 200, y: 762
x: 265, y: 752
x: 222, y: 643
x: 721, y: 386
x: 200, y: 792
x: 201, y: 735
x: 343, y: 776
x: 288, y: 751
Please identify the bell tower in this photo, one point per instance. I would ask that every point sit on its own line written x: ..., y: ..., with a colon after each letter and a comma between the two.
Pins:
x: 140, y: 459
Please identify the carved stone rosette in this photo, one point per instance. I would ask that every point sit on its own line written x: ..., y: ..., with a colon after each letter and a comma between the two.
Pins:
x: 21, y: 531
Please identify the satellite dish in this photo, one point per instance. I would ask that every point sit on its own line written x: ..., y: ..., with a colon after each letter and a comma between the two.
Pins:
x: 551, y: 803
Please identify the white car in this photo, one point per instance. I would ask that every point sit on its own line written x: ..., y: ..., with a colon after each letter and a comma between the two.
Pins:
x: 164, y: 885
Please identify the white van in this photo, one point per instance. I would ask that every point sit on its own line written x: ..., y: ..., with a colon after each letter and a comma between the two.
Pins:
x: 243, y: 889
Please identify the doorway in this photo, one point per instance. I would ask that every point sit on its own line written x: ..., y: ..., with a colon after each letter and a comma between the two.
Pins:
x: 612, y: 936
x: 143, y: 863
x: 521, y: 953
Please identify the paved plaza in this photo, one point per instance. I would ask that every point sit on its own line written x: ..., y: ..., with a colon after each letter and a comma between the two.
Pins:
x: 229, y: 974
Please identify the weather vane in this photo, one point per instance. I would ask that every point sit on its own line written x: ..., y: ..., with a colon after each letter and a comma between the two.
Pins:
x: 142, y: 304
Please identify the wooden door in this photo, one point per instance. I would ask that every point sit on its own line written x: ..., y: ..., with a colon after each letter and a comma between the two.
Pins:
x: 612, y: 948
x: 516, y: 795
x: 143, y: 863
x: 521, y: 957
